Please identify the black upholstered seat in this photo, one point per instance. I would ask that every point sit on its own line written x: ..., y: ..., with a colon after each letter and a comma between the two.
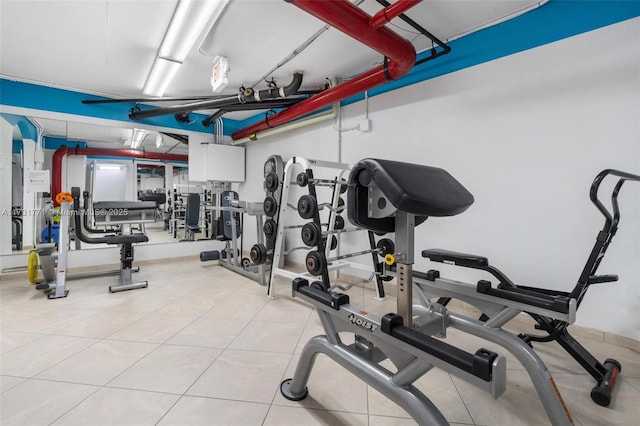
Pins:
x: 126, y: 239
x: 421, y: 190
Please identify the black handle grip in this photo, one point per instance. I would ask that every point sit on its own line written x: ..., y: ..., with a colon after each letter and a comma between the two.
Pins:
x: 553, y: 303
x: 479, y: 364
x: 333, y: 300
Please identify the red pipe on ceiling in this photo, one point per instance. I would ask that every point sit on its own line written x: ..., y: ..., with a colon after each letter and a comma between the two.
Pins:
x: 388, y: 13
x: 348, y: 18
x: 60, y: 153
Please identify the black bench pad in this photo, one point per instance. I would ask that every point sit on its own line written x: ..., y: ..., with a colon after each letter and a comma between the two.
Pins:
x: 126, y: 239
x: 413, y: 188
x: 457, y: 258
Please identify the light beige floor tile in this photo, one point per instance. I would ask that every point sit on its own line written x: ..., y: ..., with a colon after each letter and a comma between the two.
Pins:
x: 98, y: 302
x: 294, y: 416
x: 100, y: 363
x: 153, y: 328
x: 100, y: 325
x: 390, y: 421
x: 7, y: 382
x: 10, y: 340
x: 242, y: 375
x: 330, y: 388
x: 399, y: 421
x: 141, y: 303
x: 237, y: 307
x: 624, y: 408
x: 50, y: 322
x: 283, y: 309
x: 437, y: 386
x: 35, y: 357
x: 11, y: 314
x: 189, y: 307
x: 633, y: 381
x: 209, y: 332
x: 170, y: 369
x: 313, y: 328
x: 519, y: 405
x: 268, y: 336
x: 196, y: 411
x: 111, y: 407
x: 40, y: 402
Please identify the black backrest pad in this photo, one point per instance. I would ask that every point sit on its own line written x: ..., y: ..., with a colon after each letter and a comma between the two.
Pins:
x: 413, y: 188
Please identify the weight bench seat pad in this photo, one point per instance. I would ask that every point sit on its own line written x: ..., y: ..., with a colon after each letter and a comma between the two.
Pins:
x: 421, y: 190
x: 126, y: 239
x: 417, y: 189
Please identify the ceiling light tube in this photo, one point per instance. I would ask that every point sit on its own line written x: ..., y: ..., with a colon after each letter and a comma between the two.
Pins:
x: 161, y: 74
x: 189, y: 21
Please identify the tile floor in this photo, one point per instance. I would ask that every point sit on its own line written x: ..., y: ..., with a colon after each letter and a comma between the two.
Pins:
x: 204, y: 346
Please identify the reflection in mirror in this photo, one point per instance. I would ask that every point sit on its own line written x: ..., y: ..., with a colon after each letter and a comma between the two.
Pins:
x: 109, y: 175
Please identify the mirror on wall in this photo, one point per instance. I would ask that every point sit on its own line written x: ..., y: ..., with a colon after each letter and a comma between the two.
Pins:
x: 104, y: 172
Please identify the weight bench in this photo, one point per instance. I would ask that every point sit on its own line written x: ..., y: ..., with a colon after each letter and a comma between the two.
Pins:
x: 117, y: 213
x: 387, y: 196
x: 192, y: 217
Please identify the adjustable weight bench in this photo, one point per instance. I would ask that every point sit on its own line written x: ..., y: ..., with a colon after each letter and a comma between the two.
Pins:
x: 387, y: 196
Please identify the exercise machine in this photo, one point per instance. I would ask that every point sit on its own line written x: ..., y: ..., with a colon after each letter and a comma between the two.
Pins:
x: 230, y: 230
x: 383, y: 197
x: 561, y: 306
x: 120, y: 214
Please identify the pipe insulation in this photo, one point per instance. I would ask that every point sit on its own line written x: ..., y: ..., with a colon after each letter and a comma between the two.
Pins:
x: 246, y: 96
x: 399, y: 54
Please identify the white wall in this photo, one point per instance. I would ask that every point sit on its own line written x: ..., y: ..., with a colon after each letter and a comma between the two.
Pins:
x: 526, y: 134
x: 6, y: 136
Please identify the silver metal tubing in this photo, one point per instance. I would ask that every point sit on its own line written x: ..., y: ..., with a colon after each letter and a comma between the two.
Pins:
x: 414, y: 402
x: 542, y: 380
x: 129, y: 286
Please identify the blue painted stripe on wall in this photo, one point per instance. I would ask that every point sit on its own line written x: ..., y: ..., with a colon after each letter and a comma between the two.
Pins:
x: 27, y: 129
x: 49, y: 142
x: 554, y: 21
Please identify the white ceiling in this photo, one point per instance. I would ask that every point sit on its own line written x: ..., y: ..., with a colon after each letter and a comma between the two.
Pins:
x: 107, y: 47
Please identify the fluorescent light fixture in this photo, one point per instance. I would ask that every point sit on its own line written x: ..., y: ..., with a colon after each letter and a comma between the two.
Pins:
x: 137, y: 138
x: 161, y: 74
x: 158, y: 140
x: 109, y: 167
x: 190, y: 19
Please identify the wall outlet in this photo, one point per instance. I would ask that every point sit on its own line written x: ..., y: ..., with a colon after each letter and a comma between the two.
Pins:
x: 365, y: 125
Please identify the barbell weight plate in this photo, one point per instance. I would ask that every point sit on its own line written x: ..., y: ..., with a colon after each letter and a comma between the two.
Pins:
x: 245, y: 262
x: 319, y: 285
x: 269, y: 228
x: 302, y: 179
x: 270, y: 206
x: 307, y: 206
x: 310, y: 234
x: 316, y: 263
x: 339, y: 223
x: 258, y: 254
x: 271, y: 182
x: 386, y: 246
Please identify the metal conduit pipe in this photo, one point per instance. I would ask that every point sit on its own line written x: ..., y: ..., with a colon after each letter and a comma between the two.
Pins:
x: 351, y: 20
x: 247, y: 96
x: 60, y: 153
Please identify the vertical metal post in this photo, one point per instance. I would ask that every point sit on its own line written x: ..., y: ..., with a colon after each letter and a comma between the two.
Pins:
x: 405, y: 226
x: 63, y: 248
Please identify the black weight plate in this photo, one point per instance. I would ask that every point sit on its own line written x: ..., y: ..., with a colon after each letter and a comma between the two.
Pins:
x: 271, y: 182
x: 307, y: 206
x: 310, y: 234
x: 270, y: 206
